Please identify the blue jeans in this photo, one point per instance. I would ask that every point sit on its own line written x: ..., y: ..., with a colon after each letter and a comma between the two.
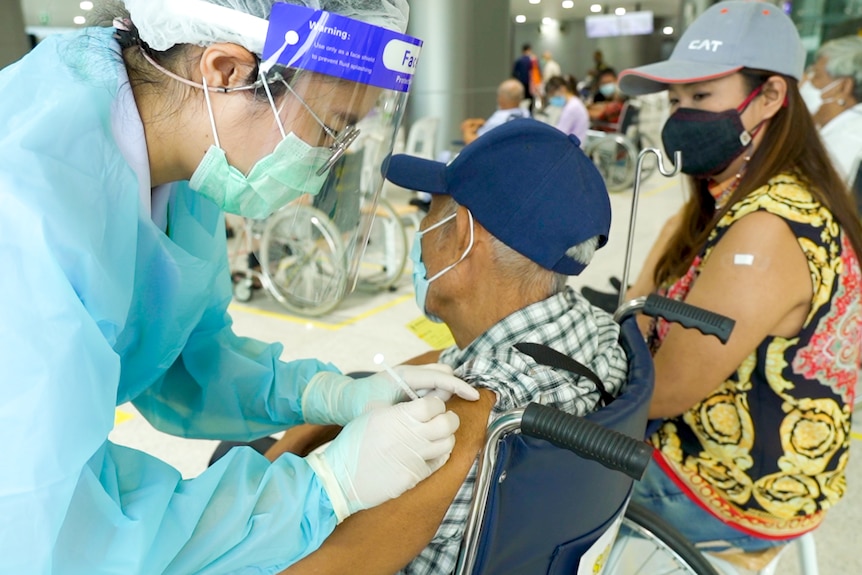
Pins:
x: 658, y: 493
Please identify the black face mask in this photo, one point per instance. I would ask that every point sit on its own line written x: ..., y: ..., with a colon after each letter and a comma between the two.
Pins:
x: 709, y: 141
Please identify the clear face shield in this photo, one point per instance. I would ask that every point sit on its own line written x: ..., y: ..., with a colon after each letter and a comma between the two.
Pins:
x: 341, y: 86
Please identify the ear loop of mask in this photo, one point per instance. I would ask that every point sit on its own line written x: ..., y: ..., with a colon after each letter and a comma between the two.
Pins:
x: 747, y: 136
x: 272, y: 104
x: 466, y: 251
x: 828, y: 87
x: 210, y: 110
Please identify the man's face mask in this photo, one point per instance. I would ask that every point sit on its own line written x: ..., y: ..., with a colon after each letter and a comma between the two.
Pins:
x: 420, y: 282
x: 813, y: 97
x: 709, y: 141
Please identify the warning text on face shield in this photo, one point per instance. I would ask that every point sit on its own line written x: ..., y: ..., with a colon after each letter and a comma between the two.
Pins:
x: 331, y: 44
x: 400, y: 56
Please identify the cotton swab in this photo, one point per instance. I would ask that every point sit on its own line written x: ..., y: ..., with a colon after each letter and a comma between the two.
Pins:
x: 378, y: 359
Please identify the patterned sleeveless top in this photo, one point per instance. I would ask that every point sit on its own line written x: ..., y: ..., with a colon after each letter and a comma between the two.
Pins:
x: 766, y: 451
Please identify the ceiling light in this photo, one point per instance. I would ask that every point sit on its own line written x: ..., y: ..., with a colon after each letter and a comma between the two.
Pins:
x: 535, y: 1
x: 520, y: 18
x: 568, y: 4
x: 79, y: 20
x: 620, y: 11
x: 547, y: 21
x: 86, y: 5
x: 667, y: 30
x: 596, y: 8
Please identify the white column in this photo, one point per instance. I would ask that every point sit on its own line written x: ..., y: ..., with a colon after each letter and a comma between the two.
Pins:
x: 464, y: 59
x: 13, y: 39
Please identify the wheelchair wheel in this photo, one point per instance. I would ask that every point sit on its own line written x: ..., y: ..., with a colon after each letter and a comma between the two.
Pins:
x: 616, y: 158
x: 302, y: 259
x: 386, y: 251
x: 647, y: 544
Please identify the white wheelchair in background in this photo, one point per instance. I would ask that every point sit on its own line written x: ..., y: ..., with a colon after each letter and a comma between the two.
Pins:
x: 615, y: 152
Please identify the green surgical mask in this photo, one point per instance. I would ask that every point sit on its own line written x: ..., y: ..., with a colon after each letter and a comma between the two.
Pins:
x: 292, y: 169
x: 277, y: 179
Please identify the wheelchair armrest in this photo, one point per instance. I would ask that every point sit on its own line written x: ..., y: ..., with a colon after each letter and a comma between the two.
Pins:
x: 587, y: 439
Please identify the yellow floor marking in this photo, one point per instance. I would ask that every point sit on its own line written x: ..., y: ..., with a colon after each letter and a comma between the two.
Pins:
x: 663, y: 188
x: 856, y: 435
x: 319, y: 324
x: 437, y: 335
x: 121, y: 416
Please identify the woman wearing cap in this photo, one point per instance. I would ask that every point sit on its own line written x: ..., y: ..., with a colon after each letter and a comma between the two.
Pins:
x: 754, y: 437
x: 833, y: 93
x: 118, y: 291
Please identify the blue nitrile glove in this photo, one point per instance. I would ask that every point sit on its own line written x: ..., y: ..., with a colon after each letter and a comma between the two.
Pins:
x: 332, y: 398
x: 383, y: 453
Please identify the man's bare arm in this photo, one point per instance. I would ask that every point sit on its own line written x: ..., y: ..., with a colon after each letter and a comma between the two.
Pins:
x: 303, y: 439
x: 382, y: 540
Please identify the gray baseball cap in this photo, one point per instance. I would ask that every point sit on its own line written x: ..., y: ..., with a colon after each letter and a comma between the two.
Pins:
x: 724, y: 39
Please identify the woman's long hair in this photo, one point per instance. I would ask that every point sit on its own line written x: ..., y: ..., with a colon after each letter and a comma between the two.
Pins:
x: 556, y: 82
x: 791, y: 144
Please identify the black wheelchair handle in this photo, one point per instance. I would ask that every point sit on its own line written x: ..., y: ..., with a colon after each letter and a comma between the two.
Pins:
x: 706, y: 322
x: 581, y: 436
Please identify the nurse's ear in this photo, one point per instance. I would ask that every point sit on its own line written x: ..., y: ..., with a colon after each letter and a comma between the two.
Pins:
x: 227, y: 65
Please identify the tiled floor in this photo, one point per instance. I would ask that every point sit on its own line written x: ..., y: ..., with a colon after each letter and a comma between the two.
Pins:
x: 367, y: 324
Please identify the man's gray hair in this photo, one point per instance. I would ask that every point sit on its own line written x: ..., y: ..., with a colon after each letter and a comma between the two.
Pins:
x: 844, y: 59
x: 520, y: 270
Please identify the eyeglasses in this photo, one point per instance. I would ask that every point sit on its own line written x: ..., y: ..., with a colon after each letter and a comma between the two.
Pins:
x: 341, y: 140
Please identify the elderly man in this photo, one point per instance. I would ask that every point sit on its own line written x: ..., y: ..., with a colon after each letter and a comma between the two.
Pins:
x: 512, y: 217
x: 510, y: 93
x: 832, y: 91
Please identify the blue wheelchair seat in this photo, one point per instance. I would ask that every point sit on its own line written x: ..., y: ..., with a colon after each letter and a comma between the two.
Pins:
x: 547, y: 506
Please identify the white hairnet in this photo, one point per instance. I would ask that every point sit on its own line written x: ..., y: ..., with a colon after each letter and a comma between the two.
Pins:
x: 164, y: 23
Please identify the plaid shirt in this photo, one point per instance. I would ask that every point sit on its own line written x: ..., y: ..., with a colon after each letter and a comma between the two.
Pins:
x: 565, y: 322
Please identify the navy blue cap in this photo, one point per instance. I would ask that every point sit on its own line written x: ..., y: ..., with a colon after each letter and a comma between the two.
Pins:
x: 527, y: 183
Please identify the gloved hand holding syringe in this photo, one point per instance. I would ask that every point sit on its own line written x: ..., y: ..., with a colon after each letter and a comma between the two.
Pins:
x: 397, y: 430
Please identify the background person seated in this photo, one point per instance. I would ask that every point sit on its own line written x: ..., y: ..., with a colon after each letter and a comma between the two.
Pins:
x: 605, y: 114
x: 491, y: 260
x: 510, y: 93
x: 832, y: 91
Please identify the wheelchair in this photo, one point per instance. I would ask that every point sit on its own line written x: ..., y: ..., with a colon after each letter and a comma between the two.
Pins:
x: 579, y: 533
x: 615, y: 151
x: 301, y: 248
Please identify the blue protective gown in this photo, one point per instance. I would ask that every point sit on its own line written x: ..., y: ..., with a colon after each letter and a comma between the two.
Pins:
x: 98, y: 306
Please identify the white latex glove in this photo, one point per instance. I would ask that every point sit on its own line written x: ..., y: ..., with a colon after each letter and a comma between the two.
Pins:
x: 384, y: 453
x: 332, y: 398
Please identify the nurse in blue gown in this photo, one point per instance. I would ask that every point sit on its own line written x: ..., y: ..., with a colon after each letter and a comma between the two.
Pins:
x: 121, y: 148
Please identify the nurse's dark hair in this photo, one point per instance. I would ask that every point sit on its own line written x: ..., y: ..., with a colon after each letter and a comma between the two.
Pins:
x: 180, y: 59
x: 791, y: 144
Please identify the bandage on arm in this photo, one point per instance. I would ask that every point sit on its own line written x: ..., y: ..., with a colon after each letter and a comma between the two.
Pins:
x: 382, y: 540
x: 689, y: 366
